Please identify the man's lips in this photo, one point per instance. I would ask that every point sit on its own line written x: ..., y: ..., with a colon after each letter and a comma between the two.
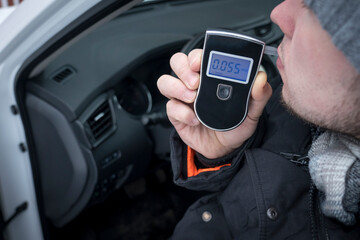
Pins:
x: 279, y: 62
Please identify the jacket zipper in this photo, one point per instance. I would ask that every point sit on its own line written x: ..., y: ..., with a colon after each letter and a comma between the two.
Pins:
x: 298, y: 160
x: 318, y: 228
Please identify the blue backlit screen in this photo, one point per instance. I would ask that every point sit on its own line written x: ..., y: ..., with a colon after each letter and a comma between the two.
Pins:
x: 229, y: 67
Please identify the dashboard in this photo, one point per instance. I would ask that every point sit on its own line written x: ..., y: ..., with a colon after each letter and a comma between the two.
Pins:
x: 96, y: 116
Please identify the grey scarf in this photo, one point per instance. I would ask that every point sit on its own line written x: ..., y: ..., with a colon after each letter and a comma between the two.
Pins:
x: 335, y: 169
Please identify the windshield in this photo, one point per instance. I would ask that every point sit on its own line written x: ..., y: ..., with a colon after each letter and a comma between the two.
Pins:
x: 153, y: 1
x: 156, y: 1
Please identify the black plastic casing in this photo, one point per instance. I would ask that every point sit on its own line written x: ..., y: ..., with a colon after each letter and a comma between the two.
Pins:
x: 224, y: 115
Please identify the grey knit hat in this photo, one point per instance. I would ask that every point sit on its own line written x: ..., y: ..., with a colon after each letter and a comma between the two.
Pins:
x: 341, y: 19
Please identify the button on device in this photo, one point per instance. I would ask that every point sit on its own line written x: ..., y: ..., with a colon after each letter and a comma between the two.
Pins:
x: 224, y: 91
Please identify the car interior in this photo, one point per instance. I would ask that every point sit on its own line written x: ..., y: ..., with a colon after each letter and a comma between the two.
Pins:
x: 97, y: 123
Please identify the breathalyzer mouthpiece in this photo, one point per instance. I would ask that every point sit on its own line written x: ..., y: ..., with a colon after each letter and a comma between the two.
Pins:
x: 272, y: 51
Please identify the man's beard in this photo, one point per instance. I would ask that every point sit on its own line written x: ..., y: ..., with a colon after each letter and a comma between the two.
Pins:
x: 346, y: 126
x: 292, y: 112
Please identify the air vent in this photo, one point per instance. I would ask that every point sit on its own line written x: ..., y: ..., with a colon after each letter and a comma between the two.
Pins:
x: 63, y: 74
x: 101, y: 123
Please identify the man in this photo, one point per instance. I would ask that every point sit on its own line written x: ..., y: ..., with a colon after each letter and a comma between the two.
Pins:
x: 259, y: 191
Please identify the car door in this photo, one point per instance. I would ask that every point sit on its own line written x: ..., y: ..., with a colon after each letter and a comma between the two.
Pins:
x: 33, y: 33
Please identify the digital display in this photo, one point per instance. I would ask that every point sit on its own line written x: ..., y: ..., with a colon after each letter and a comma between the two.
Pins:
x: 229, y: 67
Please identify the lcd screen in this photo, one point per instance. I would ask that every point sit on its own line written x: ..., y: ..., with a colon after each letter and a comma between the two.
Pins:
x: 229, y: 67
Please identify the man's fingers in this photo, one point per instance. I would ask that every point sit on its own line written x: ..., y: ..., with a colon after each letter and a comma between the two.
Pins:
x: 172, y: 87
x: 260, y: 94
x: 179, y: 63
x: 195, y: 59
x: 180, y: 113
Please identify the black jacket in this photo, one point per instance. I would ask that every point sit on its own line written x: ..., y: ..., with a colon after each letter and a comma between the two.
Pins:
x: 266, y: 192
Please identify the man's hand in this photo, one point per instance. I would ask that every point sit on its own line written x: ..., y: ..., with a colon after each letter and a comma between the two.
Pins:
x: 182, y: 94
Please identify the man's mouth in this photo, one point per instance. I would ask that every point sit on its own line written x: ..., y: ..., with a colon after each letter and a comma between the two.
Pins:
x: 279, y: 62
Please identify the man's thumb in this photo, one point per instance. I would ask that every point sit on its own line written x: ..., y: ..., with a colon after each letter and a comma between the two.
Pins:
x: 260, y: 94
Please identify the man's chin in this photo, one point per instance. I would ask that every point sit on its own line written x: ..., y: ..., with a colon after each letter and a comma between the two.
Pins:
x: 307, y: 119
x: 289, y: 106
x: 344, y: 126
